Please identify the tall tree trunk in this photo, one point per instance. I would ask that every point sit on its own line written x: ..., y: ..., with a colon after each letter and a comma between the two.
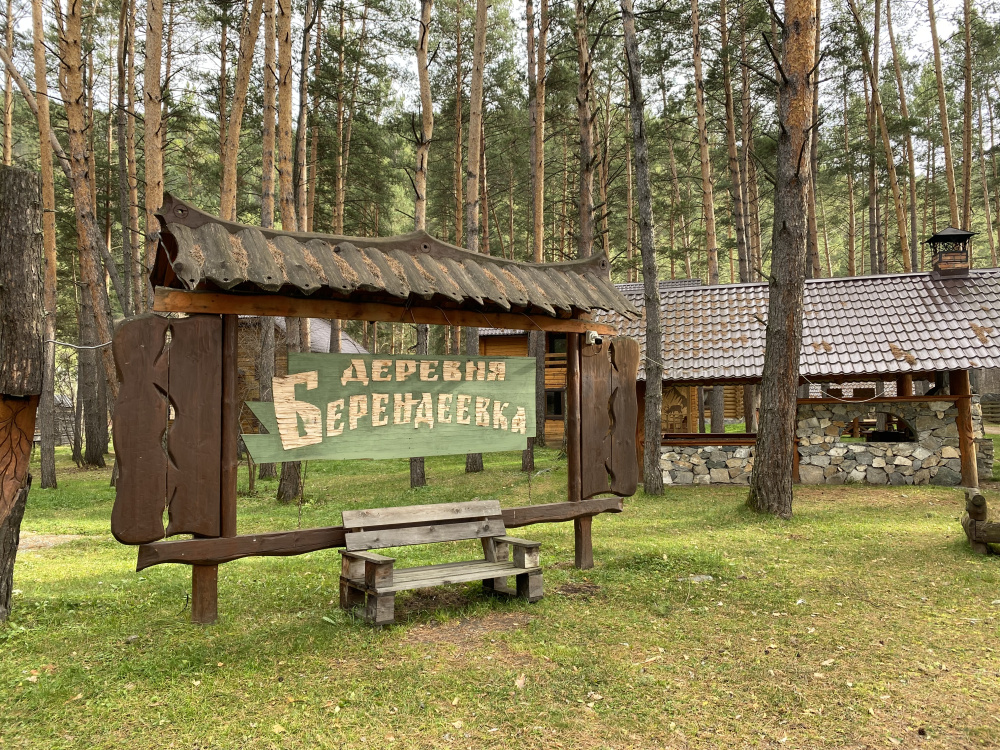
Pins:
x: 967, y: 117
x: 585, y: 238
x: 92, y: 242
x: 290, y: 484
x: 851, y: 218
x: 426, y: 118
x: 949, y: 167
x: 21, y: 356
x: 680, y: 203
x: 268, y: 143
x: 8, y: 92
x: 910, y: 156
x: 152, y: 133
x: 812, y: 265
x: 338, y: 183
x: 313, y: 162
x: 987, y: 209
x: 418, y: 477
x: 771, y: 478
x: 459, y: 163
x: 538, y: 138
x: 717, y: 403
x: 301, y: 168
x: 48, y: 223
x: 136, y: 249
x: 474, y: 461
x: 735, y: 178
x: 652, y: 476
x: 286, y: 183
x: 876, y: 104
x: 231, y: 144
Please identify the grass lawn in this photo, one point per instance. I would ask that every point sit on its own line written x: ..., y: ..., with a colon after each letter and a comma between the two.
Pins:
x: 864, y: 622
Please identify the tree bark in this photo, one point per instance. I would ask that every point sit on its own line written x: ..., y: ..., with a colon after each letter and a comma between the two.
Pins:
x: 21, y: 355
x: 267, y: 147
x: 771, y: 478
x: 80, y: 170
x: 8, y: 92
x: 474, y: 461
x: 152, y: 132
x: 300, y: 168
x: 652, y: 474
x: 910, y: 156
x: 426, y: 118
x: 585, y: 196
x: 233, y: 128
x: 967, y: 117
x: 735, y: 177
x: 897, y: 196
x: 286, y: 185
x: 48, y: 221
x: 949, y: 167
x: 418, y: 477
x: 538, y: 138
x: 851, y: 218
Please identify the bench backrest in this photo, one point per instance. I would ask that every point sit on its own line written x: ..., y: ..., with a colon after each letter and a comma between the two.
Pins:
x: 377, y: 528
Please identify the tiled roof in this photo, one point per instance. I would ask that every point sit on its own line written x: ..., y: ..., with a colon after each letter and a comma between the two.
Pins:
x: 199, y: 251
x: 852, y: 326
x: 632, y: 291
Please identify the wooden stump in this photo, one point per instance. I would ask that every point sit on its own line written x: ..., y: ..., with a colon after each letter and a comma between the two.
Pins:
x: 21, y: 359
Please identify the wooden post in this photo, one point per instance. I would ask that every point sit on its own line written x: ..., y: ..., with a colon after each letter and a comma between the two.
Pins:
x: 904, y: 385
x: 20, y: 355
x: 204, y: 593
x: 958, y: 384
x: 205, y: 578
x: 581, y: 526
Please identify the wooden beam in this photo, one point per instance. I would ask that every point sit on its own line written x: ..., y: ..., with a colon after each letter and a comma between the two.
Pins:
x: 204, y: 594
x: 961, y: 390
x: 230, y: 421
x: 177, y: 300
x: 904, y: 385
x: 573, y: 409
x: 883, y: 399
x: 284, y: 543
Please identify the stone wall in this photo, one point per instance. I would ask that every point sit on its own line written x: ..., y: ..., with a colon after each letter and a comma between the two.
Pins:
x: 932, y: 458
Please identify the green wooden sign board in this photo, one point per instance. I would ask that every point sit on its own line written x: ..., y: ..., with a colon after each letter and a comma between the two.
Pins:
x: 337, y: 406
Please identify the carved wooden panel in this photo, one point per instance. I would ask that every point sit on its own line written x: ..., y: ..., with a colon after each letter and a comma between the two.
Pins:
x: 138, y: 424
x: 608, y: 417
x: 167, y: 427
x: 623, y: 469
x: 194, y: 438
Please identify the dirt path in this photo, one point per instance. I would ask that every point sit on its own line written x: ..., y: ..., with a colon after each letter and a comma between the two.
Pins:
x: 31, y: 541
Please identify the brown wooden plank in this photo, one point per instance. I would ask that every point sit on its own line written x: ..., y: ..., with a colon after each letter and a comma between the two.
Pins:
x: 573, y: 417
x: 410, y: 535
x: 176, y: 300
x: 229, y: 424
x: 595, y: 418
x: 453, y: 575
x: 622, y: 467
x: 227, y: 549
x: 138, y: 424
x: 373, y: 518
x: 194, y: 435
x: 556, y: 512
x: 280, y: 543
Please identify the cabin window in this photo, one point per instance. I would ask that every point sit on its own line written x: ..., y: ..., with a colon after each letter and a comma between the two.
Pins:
x: 557, y: 344
x: 554, y: 403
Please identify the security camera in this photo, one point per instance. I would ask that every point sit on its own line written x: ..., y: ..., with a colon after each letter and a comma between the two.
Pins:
x: 592, y: 338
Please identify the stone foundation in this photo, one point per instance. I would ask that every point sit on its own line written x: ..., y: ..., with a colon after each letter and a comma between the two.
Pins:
x: 932, y: 458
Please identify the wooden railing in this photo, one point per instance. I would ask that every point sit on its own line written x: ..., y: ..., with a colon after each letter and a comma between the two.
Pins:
x: 682, y: 439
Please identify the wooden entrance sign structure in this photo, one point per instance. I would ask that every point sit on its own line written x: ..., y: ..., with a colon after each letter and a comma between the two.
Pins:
x: 176, y: 425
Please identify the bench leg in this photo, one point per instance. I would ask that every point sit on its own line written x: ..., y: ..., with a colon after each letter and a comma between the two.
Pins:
x: 350, y: 596
x: 497, y: 587
x: 529, y: 586
x: 380, y: 609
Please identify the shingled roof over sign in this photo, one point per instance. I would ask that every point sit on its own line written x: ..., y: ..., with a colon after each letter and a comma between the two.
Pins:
x: 854, y: 326
x: 198, y: 251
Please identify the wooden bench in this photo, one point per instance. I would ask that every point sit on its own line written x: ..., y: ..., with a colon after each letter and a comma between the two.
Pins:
x: 369, y: 579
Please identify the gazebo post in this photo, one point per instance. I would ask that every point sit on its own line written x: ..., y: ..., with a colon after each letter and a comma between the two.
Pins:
x: 958, y: 381
x: 582, y: 542
x: 904, y: 385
